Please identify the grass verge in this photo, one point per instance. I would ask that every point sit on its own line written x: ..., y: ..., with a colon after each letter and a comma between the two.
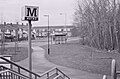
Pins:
x: 20, y: 54
x: 74, y: 55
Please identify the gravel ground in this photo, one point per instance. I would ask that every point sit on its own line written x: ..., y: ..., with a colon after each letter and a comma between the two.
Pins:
x: 81, y: 57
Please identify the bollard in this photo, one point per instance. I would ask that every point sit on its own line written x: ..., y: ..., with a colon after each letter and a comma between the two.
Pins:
x: 113, y: 69
x: 104, y: 77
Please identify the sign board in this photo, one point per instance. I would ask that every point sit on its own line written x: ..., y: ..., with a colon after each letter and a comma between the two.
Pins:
x: 4, y: 63
x: 30, y: 13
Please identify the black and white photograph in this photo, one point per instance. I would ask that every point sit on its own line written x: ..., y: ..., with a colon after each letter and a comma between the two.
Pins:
x: 59, y: 39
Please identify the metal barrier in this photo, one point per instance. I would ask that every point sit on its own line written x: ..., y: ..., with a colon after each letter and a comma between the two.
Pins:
x: 114, y: 72
x: 6, y: 73
x: 4, y: 63
x: 45, y: 75
x: 57, y: 72
x: 20, y: 68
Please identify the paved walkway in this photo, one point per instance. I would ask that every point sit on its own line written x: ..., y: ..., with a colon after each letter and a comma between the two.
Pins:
x: 41, y: 64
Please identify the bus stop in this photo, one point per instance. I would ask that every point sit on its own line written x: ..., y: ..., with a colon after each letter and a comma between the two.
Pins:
x: 60, y: 38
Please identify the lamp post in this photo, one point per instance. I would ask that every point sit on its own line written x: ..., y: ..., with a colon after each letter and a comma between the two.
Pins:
x: 65, y: 19
x: 48, y: 34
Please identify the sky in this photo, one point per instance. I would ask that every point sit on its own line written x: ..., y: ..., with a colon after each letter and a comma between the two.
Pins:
x: 10, y: 11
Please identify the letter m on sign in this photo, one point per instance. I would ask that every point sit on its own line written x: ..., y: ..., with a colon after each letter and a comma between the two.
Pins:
x: 31, y: 13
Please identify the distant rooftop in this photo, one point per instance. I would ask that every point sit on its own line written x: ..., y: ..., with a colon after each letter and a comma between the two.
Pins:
x: 42, y: 27
x: 13, y: 26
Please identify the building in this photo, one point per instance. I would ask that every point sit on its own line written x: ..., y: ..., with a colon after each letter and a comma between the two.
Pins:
x: 43, y: 30
x: 14, y: 30
x: 21, y: 30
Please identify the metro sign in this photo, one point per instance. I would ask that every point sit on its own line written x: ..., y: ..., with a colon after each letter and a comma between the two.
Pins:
x: 30, y: 13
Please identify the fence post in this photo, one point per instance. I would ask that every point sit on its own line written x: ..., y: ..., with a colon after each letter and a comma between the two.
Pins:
x: 48, y: 75
x: 56, y: 71
x: 104, y: 77
x: 113, y: 69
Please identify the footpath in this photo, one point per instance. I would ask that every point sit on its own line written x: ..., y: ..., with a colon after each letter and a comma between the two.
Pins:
x: 40, y: 65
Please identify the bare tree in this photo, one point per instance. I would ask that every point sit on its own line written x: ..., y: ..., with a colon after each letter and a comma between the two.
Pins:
x: 97, y: 22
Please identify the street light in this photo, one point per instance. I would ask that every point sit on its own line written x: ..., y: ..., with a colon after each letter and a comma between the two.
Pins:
x: 48, y: 34
x: 65, y: 19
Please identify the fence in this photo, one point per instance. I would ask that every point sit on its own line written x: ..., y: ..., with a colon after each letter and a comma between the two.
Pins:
x: 47, y: 75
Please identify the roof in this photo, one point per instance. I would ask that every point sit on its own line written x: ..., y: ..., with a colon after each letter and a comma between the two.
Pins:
x: 43, y: 27
x: 13, y: 26
x: 18, y: 26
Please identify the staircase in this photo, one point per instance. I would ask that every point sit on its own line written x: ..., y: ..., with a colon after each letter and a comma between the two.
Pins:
x: 19, y: 72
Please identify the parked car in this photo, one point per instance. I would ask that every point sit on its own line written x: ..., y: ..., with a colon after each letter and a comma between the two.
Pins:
x: 9, y: 36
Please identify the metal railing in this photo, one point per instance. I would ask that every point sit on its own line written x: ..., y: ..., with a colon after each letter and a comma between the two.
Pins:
x: 8, y: 72
x: 104, y: 77
x: 10, y: 75
x: 46, y: 75
x: 59, y: 76
x: 114, y: 72
x: 20, y: 68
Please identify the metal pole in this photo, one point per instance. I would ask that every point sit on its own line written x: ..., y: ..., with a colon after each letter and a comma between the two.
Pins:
x: 48, y: 34
x: 29, y: 48
x: 113, y: 69
x: 104, y: 77
x: 65, y: 20
x: 48, y: 37
x: 66, y: 27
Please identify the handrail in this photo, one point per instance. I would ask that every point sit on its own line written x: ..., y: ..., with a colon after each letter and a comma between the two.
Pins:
x: 48, y: 71
x: 3, y: 71
x: 57, y: 76
x: 20, y: 75
x: 12, y: 63
x: 57, y: 70
x: 36, y: 75
x: 7, y: 73
x: 62, y: 73
x: 14, y: 71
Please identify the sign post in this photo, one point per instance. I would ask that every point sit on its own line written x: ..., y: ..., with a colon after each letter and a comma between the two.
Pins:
x: 29, y: 47
x: 30, y: 13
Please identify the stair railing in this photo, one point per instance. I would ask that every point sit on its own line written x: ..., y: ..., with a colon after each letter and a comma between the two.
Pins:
x: 2, y: 69
x: 47, y: 73
x: 20, y: 68
x: 11, y: 75
x: 62, y: 74
x: 36, y: 76
x: 57, y: 76
x: 57, y: 71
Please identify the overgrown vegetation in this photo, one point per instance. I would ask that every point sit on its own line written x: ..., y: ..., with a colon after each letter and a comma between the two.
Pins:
x: 98, y: 22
